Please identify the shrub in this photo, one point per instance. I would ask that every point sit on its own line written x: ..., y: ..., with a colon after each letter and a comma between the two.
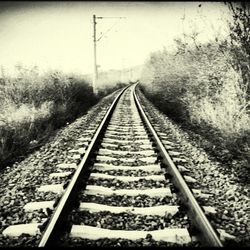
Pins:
x: 33, y: 104
x: 198, y: 85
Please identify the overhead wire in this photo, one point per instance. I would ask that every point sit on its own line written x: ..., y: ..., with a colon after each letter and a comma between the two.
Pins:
x: 107, y: 30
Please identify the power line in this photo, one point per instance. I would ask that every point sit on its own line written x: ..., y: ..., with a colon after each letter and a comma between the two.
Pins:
x: 101, y: 17
x: 106, y: 31
x: 95, y: 74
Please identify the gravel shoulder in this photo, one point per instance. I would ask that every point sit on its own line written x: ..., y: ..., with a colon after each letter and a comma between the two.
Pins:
x: 19, y: 182
x: 230, y: 196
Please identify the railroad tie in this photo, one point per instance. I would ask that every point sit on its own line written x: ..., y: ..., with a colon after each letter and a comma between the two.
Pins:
x: 175, y: 235
x: 160, y: 210
x: 128, y: 178
x: 154, y: 192
x: 147, y: 168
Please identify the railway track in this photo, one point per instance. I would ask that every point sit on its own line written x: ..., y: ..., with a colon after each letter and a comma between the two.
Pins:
x: 126, y: 191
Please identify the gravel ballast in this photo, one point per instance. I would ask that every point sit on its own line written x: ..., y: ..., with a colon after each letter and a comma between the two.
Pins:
x: 103, y: 189
x: 19, y: 182
x: 230, y: 197
x: 123, y: 200
x: 127, y: 221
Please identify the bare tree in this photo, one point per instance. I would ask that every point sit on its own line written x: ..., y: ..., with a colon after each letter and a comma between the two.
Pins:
x: 240, y: 39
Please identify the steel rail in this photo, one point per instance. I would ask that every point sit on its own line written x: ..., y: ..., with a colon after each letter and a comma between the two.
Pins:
x: 208, y: 235
x: 52, y: 231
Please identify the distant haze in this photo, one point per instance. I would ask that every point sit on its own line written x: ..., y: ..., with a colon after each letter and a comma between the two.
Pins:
x: 59, y: 35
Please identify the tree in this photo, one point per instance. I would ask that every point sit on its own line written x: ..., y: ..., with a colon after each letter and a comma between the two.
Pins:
x: 240, y: 39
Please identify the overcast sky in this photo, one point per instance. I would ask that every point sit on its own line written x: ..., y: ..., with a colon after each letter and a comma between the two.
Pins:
x: 60, y: 34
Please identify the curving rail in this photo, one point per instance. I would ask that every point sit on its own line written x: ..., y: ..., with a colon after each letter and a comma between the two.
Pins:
x: 57, y: 223
x: 207, y: 232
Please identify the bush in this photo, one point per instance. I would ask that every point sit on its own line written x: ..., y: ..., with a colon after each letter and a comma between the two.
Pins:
x: 199, y: 86
x: 110, y: 88
x: 33, y: 104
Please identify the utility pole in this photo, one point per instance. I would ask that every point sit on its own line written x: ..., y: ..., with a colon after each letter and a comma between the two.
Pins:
x: 95, y: 76
x: 95, y: 40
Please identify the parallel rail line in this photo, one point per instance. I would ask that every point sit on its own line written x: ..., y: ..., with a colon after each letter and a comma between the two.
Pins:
x: 208, y: 234
x: 108, y: 134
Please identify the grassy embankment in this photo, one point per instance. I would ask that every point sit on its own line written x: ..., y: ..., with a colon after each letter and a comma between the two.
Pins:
x: 202, y: 87
x: 34, y: 104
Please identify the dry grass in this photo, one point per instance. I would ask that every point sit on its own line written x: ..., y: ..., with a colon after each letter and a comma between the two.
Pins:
x: 34, y: 104
x: 199, y: 87
x: 226, y: 111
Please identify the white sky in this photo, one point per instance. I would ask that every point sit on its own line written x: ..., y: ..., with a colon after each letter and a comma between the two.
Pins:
x: 59, y: 34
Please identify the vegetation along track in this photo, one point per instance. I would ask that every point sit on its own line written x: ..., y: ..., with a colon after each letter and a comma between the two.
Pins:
x: 126, y: 190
